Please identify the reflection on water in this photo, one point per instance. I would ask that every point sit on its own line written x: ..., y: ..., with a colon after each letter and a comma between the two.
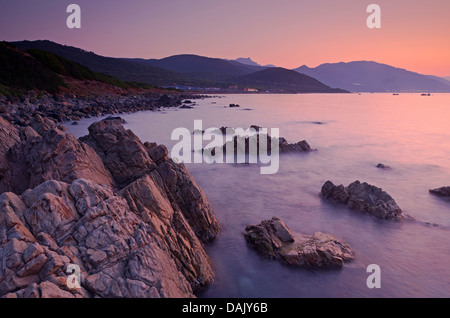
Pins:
x: 353, y: 133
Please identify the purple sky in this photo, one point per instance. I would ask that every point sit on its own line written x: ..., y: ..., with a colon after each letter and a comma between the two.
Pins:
x: 288, y: 33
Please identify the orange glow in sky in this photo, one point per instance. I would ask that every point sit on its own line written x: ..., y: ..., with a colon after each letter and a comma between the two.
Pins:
x: 415, y: 34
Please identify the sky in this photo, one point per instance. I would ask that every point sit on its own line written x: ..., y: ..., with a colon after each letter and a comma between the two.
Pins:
x: 414, y: 34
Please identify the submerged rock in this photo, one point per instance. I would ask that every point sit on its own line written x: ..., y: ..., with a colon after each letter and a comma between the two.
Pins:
x: 301, y: 146
x: 383, y: 166
x: 365, y: 198
x: 274, y: 239
x: 441, y: 192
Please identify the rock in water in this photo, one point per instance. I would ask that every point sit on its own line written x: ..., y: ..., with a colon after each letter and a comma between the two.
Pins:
x: 242, y: 144
x: 301, y: 146
x: 441, y: 192
x: 365, y: 198
x: 383, y: 166
x: 274, y: 239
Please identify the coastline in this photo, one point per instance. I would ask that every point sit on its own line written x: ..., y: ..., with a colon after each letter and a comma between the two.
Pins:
x: 69, y: 107
x: 106, y: 138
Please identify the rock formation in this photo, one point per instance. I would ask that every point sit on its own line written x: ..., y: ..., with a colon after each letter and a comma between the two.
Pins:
x: 130, y: 218
x: 441, y: 192
x: 48, y: 153
x: 383, y: 166
x: 241, y: 144
x: 365, y: 198
x: 68, y: 107
x: 274, y: 239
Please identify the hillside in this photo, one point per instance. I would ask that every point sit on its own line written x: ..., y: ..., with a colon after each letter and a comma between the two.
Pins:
x: 210, y: 71
x: 20, y: 71
x: 364, y: 76
x: 44, y: 71
x: 189, y: 63
x: 186, y: 70
x: 440, y: 79
x: 233, y: 72
x: 285, y: 80
x: 120, y: 68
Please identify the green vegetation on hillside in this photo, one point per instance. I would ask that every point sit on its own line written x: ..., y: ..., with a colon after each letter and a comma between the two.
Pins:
x: 20, y: 71
x: 36, y: 69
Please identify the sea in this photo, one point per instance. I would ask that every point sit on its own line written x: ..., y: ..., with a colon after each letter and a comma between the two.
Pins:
x: 352, y: 134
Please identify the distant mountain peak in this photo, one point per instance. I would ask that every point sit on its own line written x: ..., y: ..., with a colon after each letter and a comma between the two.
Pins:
x: 247, y: 61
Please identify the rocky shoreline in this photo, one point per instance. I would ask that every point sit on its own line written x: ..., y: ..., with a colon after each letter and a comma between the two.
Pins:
x: 68, y: 107
x: 132, y: 220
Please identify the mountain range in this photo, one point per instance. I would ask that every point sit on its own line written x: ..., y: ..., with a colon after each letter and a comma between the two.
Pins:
x: 187, y: 70
x: 249, y: 61
x: 368, y: 76
x: 199, y: 72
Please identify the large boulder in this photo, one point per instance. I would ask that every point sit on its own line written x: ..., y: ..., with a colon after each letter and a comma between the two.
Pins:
x: 121, y: 150
x: 274, y: 239
x: 171, y: 231
x: 9, y: 136
x: 189, y: 198
x: 56, y: 224
x: 365, y: 198
x: 51, y: 154
x: 128, y: 160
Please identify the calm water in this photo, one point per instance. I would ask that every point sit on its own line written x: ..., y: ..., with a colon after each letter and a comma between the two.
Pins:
x: 409, y: 132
